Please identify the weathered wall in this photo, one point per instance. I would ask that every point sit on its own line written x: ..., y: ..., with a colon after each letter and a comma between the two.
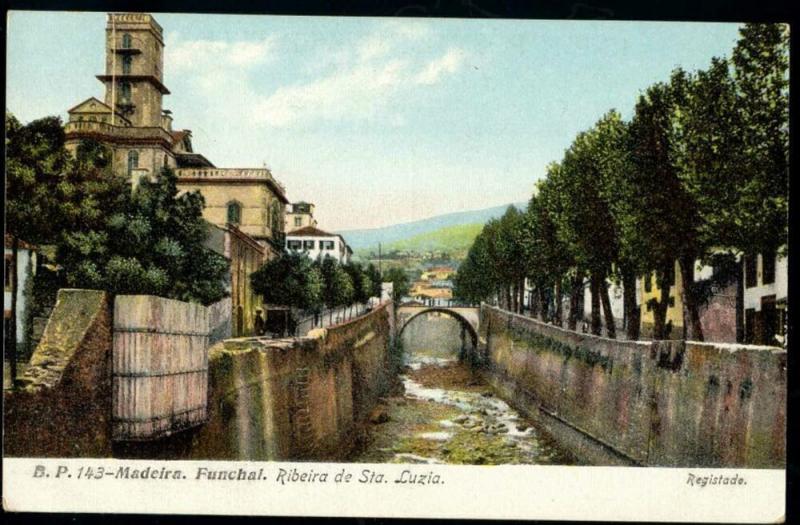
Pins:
x: 63, y: 407
x: 665, y: 403
x: 299, y: 398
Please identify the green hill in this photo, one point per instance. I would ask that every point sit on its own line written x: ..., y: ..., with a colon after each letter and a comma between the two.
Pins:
x: 450, y: 238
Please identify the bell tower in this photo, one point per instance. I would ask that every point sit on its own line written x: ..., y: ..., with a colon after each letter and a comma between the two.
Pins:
x: 134, y: 68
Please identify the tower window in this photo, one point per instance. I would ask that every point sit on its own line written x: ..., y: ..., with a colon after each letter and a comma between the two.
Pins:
x: 127, y: 62
x: 126, y: 41
x: 133, y: 161
x: 125, y: 91
x: 234, y: 213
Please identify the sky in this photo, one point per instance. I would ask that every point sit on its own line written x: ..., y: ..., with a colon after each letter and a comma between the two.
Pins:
x: 377, y: 121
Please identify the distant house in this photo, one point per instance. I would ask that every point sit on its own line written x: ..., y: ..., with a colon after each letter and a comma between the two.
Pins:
x: 765, y: 292
x: 438, y: 273
x: 300, y: 216
x: 318, y: 244
x: 26, y: 269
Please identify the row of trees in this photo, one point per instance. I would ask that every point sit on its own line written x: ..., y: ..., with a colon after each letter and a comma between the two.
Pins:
x: 309, y: 285
x: 700, y: 172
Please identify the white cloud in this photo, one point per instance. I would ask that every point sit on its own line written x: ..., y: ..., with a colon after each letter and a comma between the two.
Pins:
x: 379, y: 66
x: 197, y: 55
x: 448, y: 63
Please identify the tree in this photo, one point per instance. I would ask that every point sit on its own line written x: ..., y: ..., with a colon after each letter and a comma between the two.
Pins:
x: 362, y: 282
x: 36, y: 162
x: 337, y: 287
x: 761, y: 73
x: 585, y: 223
x: 400, y: 284
x: 152, y: 244
x: 290, y: 279
x: 374, y: 279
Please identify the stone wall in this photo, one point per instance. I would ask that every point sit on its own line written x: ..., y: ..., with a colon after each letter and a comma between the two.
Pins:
x: 668, y: 403
x: 300, y: 398
x: 63, y: 407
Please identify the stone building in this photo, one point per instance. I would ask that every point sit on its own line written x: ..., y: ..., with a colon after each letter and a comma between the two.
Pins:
x: 246, y: 205
x: 766, y: 282
x: 140, y: 134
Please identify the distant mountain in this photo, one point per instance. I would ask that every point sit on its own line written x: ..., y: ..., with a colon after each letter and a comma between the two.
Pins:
x: 450, y: 239
x: 369, y: 238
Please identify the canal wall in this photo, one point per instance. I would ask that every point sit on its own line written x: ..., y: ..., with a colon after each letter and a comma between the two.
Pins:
x: 659, y: 403
x: 301, y: 398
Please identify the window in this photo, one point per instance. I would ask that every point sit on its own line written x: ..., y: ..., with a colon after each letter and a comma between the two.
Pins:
x: 750, y: 278
x: 277, y: 217
x: 133, y: 161
x: 7, y: 282
x: 234, y: 213
x: 298, y: 221
x: 125, y: 91
x: 308, y: 245
x: 127, y: 62
x: 648, y: 283
x: 126, y: 41
x: 294, y: 245
x: 326, y: 245
x: 768, y: 267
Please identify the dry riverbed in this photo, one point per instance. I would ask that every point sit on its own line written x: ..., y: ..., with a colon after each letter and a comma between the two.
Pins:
x: 448, y: 415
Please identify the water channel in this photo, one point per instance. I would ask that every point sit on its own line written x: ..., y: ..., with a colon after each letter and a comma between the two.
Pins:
x: 449, y: 415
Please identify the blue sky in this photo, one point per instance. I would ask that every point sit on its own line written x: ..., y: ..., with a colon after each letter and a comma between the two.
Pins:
x: 377, y: 121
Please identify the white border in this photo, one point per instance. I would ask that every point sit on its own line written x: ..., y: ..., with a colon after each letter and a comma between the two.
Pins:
x: 499, y: 492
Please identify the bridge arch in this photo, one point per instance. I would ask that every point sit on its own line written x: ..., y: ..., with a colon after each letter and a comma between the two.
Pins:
x: 469, y: 322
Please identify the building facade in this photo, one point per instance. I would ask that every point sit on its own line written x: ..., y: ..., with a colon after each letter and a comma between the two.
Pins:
x: 26, y: 270
x: 132, y: 121
x: 300, y: 216
x: 765, y: 298
x: 318, y: 244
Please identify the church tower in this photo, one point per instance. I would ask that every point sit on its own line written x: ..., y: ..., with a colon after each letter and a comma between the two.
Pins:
x: 134, y: 68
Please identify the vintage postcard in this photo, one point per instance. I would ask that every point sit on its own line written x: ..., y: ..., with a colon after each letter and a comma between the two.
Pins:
x: 395, y: 267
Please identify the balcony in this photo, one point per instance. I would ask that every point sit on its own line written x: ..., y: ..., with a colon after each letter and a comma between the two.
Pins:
x: 230, y: 175
x: 108, y: 132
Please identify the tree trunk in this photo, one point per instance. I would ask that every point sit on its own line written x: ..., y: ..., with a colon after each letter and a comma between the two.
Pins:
x: 631, y: 308
x: 691, y: 301
x: 514, y: 306
x: 542, y: 306
x: 660, y: 310
x: 594, y: 282
x: 574, y: 302
x: 611, y: 328
x: 508, y: 297
x: 13, y: 328
x: 557, y: 316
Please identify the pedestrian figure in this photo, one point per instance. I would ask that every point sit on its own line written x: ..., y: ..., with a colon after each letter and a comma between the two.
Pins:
x: 260, y: 323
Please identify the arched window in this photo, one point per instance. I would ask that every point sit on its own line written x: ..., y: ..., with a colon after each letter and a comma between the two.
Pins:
x: 133, y: 161
x: 127, y: 62
x: 125, y: 91
x: 126, y: 41
x: 234, y: 212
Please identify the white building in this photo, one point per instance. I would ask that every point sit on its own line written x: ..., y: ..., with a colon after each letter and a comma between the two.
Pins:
x: 318, y: 244
x: 300, y: 216
x: 26, y: 269
x: 765, y: 293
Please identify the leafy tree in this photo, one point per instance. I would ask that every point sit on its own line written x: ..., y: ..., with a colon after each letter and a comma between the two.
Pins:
x: 337, y: 287
x: 761, y: 73
x: 374, y: 279
x: 291, y: 279
x: 400, y: 284
x: 36, y: 162
x: 362, y: 282
x: 474, y: 281
x: 151, y: 244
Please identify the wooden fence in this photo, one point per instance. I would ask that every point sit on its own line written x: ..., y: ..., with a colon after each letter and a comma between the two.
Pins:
x: 159, y: 367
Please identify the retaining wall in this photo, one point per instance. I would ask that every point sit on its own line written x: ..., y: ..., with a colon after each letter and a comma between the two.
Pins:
x: 667, y: 403
x: 300, y: 398
x: 63, y: 405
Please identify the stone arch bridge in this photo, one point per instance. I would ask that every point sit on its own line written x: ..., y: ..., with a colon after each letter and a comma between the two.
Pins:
x: 467, y: 316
